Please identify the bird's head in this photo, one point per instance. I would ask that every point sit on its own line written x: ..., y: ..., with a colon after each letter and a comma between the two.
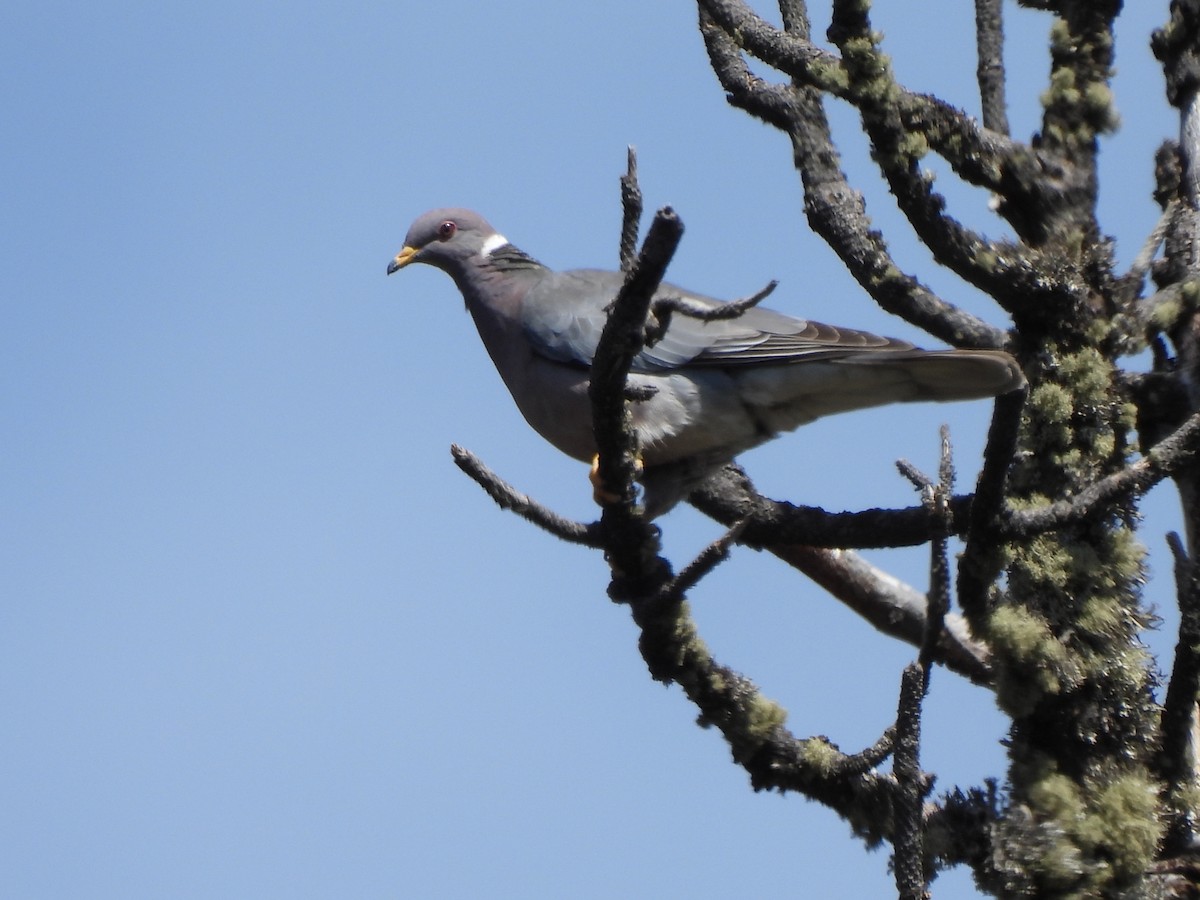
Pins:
x: 447, y: 239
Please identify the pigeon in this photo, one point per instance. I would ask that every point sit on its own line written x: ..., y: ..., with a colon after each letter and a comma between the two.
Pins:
x: 709, y: 390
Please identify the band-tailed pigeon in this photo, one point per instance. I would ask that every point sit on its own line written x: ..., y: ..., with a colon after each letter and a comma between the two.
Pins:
x: 719, y: 387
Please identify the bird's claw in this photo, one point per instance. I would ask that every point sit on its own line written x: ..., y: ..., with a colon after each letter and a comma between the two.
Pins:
x: 600, y: 492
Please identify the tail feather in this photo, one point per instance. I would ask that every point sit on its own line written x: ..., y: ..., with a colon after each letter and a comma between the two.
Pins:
x: 943, y: 375
x: 789, y: 396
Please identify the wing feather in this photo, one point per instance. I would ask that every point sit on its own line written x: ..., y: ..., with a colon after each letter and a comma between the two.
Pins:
x: 566, y: 311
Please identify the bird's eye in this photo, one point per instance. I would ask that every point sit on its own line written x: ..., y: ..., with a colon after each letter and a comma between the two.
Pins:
x: 446, y: 230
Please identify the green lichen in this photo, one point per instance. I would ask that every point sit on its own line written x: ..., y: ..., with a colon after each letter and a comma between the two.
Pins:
x: 832, y: 77
x: 986, y: 258
x: 1055, y: 796
x: 1087, y: 371
x: 1099, y: 107
x: 1121, y: 825
x: 872, y: 76
x: 765, y: 716
x: 686, y: 640
x: 1062, y: 90
x: 1175, y: 306
x: 1033, y: 661
x: 1074, y: 838
x: 1101, y: 616
x: 913, y: 146
x: 821, y: 756
x: 1052, y: 403
x: 1044, y: 561
x: 1164, y: 315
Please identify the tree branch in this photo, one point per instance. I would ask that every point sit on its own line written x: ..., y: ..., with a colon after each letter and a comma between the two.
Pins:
x: 665, y: 307
x: 981, y: 562
x: 710, y: 557
x: 888, y: 604
x: 903, y: 126
x: 508, y: 497
x: 907, y: 855
x: 728, y: 496
x: 669, y: 643
x: 835, y: 210
x: 989, y: 47
x: 1164, y: 459
x: 631, y: 210
x: 1176, y: 753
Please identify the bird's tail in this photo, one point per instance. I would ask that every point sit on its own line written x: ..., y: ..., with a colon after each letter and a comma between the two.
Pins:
x: 789, y: 396
x: 943, y: 375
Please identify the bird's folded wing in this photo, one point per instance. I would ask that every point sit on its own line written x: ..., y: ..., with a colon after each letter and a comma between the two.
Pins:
x: 565, y: 313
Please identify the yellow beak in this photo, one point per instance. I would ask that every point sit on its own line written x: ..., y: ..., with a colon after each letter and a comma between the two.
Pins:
x: 403, y: 258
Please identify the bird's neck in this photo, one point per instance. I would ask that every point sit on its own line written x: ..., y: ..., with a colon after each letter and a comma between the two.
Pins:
x: 493, y: 287
x: 507, y: 258
x: 497, y: 277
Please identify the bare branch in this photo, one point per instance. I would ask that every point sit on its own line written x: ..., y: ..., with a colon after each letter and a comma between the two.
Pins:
x: 790, y: 52
x: 835, y: 210
x: 508, y: 497
x: 939, y: 564
x: 870, y: 758
x: 663, y: 308
x: 631, y: 207
x: 907, y: 856
x: 989, y: 46
x: 889, y: 605
x: 1141, y: 263
x: 727, y: 497
x: 772, y: 103
x: 795, y: 18
x: 710, y: 557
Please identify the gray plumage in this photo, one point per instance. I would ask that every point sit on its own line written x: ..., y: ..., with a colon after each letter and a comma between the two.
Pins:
x: 720, y: 387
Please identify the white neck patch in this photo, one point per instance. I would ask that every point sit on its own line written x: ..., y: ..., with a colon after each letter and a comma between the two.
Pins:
x: 492, y: 244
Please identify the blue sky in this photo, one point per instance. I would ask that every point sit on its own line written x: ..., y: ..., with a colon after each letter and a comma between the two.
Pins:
x: 260, y: 636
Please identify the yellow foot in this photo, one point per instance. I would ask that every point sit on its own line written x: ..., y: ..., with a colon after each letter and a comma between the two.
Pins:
x: 601, y: 494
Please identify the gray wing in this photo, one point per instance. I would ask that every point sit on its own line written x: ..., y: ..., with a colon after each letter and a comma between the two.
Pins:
x: 565, y: 313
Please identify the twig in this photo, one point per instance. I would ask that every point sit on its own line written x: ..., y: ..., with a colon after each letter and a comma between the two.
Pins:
x: 938, y: 603
x: 916, y: 478
x: 935, y: 498
x: 870, y: 758
x: 663, y: 308
x: 631, y: 210
x: 1141, y: 263
x: 508, y: 497
x: 708, y: 559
